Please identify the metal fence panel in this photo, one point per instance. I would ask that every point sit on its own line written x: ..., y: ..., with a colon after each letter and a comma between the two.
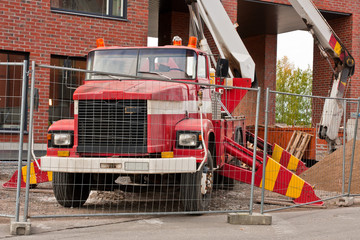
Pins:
x: 317, y: 173
x: 127, y: 119
x: 137, y: 123
x: 13, y: 125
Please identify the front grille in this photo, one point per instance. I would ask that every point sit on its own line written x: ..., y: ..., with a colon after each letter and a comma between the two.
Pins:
x: 112, y: 126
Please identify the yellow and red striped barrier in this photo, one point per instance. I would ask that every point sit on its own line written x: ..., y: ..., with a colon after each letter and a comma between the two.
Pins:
x: 278, y: 175
x: 287, y: 160
x: 281, y: 180
x: 277, y: 179
x: 36, y: 176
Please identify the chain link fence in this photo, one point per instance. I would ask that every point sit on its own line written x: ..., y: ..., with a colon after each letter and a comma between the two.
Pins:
x: 105, y: 122
x: 119, y: 145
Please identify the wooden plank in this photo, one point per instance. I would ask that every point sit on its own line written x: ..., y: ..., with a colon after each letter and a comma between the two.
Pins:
x: 295, y: 143
x: 305, y: 145
x: 291, y: 141
x: 298, y: 143
x: 301, y: 147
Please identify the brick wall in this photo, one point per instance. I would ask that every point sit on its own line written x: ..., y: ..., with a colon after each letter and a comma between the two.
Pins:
x: 30, y: 26
x: 263, y: 51
x: 177, y: 24
x: 231, y: 7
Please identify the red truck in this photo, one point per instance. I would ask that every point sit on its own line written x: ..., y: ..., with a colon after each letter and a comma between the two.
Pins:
x: 155, y: 120
x: 152, y: 115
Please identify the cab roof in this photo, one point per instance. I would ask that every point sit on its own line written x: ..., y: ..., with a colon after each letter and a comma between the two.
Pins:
x: 160, y: 47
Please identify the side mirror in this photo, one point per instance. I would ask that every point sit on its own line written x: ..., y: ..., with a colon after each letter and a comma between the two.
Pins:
x: 222, y: 68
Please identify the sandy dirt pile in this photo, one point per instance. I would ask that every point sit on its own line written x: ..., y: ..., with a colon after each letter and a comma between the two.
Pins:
x: 327, y: 174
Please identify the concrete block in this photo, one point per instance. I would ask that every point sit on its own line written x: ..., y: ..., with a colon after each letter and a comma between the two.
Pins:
x: 247, y: 219
x: 356, y: 200
x: 345, y: 201
x: 20, y: 228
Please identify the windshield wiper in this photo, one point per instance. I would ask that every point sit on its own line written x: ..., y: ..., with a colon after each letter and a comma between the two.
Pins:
x: 156, y: 73
x: 107, y: 75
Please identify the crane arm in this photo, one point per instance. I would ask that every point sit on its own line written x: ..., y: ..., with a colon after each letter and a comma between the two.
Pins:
x: 230, y: 46
x: 325, y: 37
x: 226, y: 38
x: 331, y: 46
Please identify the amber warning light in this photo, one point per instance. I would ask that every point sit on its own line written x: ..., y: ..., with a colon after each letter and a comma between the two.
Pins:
x: 100, y: 42
x: 177, y: 41
x: 192, y: 42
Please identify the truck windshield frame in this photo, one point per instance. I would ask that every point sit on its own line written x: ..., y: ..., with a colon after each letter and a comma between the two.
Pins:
x: 171, y: 63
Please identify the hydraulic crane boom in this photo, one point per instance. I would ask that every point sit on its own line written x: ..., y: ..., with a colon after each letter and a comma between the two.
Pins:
x: 227, y: 40
x: 230, y: 46
x: 330, y: 46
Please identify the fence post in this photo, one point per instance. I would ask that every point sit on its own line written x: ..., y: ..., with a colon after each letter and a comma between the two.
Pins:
x: 344, y: 143
x: 254, y: 151
x: 21, y: 139
x: 30, y: 139
x: 265, y: 149
x: 353, y: 149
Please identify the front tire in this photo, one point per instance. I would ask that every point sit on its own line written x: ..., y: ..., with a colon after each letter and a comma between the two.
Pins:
x: 71, y: 189
x: 196, y: 188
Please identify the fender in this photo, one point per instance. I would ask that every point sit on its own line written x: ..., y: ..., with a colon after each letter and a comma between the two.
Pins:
x: 62, y: 125
x: 193, y: 125
x: 66, y: 125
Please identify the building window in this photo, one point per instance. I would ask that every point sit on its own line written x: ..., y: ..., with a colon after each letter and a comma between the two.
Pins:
x: 62, y: 86
x: 11, y: 78
x: 103, y: 8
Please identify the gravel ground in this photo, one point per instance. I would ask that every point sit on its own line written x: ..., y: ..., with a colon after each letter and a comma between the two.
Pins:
x: 42, y: 200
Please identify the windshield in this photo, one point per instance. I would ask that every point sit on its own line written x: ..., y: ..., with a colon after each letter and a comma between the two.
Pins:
x: 166, y: 63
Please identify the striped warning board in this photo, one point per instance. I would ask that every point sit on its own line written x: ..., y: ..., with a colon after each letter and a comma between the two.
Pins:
x: 287, y: 160
x: 279, y: 179
x: 36, y: 176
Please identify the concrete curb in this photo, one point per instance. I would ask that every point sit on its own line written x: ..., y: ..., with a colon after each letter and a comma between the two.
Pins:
x: 247, y: 219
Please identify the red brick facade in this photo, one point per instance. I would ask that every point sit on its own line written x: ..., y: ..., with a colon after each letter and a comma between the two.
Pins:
x: 31, y: 26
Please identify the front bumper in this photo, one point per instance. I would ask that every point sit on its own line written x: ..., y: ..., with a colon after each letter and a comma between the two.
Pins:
x: 119, y: 165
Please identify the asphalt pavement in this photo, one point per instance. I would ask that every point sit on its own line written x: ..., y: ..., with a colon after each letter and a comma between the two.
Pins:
x: 340, y: 223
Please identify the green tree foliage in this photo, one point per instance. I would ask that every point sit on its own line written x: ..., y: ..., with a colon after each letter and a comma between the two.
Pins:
x: 293, y: 110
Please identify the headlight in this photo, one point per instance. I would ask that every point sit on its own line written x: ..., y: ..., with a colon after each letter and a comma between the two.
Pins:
x: 188, y: 139
x: 62, y: 139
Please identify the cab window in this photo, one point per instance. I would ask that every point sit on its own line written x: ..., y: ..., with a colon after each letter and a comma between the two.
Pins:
x: 201, y: 70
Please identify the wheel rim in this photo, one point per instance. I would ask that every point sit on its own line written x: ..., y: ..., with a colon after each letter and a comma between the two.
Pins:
x: 206, y: 181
